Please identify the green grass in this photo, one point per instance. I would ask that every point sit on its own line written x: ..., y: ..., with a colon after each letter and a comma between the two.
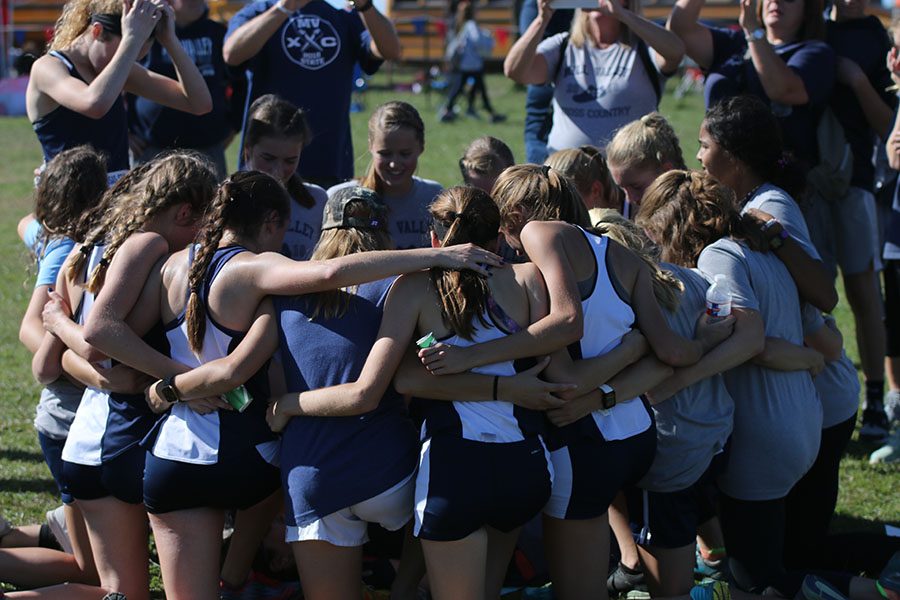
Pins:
x: 868, y: 494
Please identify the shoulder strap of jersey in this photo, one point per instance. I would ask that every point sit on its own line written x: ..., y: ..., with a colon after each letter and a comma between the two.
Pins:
x: 644, y: 53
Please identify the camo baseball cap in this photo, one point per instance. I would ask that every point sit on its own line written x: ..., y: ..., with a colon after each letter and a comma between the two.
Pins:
x: 336, y: 217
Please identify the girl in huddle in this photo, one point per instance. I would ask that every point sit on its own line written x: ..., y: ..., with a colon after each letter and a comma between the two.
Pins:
x: 467, y: 531
x: 274, y: 137
x: 64, y: 202
x: 694, y: 416
x: 587, y: 169
x: 74, y: 96
x: 218, y: 287
x: 153, y: 210
x: 484, y: 160
x: 696, y: 222
x: 396, y: 140
x: 597, y: 290
x: 640, y: 152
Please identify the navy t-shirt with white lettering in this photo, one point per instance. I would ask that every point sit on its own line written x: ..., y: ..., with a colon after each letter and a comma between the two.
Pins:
x: 169, y: 128
x: 310, y: 61
x: 732, y: 73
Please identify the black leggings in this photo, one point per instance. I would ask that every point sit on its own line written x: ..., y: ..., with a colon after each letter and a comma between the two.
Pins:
x: 459, y: 82
x: 810, y: 504
x: 772, y: 544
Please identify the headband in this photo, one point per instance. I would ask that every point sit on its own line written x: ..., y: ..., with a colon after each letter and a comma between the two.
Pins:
x: 111, y: 23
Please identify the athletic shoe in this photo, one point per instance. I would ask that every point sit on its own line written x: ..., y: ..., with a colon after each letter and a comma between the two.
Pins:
x: 710, y: 569
x: 816, y: 588
x: 115, y: 596
x: 713, y: 590
x: 56, y: 519
x: 892, y: 406
x: 624, y: 580
x: 890, y: 452
x: 446, y: 116
x: 874, y: 425
x: 261, y: 587
x: 473, y: 114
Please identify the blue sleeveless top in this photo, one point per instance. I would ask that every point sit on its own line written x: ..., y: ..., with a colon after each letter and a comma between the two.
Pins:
x: 330, y: 463
x: 184, y: 435
x: 63, y: 128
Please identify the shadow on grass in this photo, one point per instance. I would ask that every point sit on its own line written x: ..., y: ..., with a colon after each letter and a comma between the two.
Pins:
x: 861, y: 450
x: 23, y: 455
x: 28, y: 485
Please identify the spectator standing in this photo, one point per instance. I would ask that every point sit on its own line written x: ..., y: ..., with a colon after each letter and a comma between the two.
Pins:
x: 865, y: 108
x: 305, y: 51
x: 153, y: 127
x: 608, y: 70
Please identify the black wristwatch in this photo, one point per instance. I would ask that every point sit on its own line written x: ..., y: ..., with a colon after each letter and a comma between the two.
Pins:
x: 609, y: 397
x: 361, y: 5
x: 166, y: 389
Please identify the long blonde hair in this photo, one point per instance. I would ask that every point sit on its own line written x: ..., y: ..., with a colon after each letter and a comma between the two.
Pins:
x: 177, y: 178
x: 388, y: 117
x: 538, y: 193
x: 585, y: 165
x: 666, y: 287
x: 463, y: 214
x: 76, y: 17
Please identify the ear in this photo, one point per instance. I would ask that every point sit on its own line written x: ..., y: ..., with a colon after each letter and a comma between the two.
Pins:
x: 184, y: 216
x: 435, y: 242
x: 96, y: 31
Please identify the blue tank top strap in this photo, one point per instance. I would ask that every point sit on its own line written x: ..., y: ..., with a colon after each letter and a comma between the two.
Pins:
x: 218, y: 262
x: 67, y: 62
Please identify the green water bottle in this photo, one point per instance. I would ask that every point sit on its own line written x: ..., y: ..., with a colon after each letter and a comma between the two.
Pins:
x: 239, y: 398
x: 426, y: 341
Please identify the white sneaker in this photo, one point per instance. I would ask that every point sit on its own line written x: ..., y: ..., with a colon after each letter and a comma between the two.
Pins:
x: 56, y: 519
x: 888, y: 453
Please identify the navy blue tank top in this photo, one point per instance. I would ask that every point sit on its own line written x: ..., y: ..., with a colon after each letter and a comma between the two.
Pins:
x: 63, y: 128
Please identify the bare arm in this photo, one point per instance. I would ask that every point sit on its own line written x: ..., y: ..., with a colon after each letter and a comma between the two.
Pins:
x: 780, y: 82
x: 747, y: 340
x: 119, y: 378
x: 684, y: 21
x: 132, y: 279
x: 878, y: 114
x: 225, y: 374
x: 545, y: 245
x: 94, y: 99
x: 189, y: 93
x: 523, y: 64
x: 781, y: 355
x: 826, y: 340
x: 385, y: 43
x: 635, y: 380
x: 31, y: 330
x: 277, y: 275
x: 893, y: 144
x: 248, y: 39
x: 667, y: 46
x: 591, y: 373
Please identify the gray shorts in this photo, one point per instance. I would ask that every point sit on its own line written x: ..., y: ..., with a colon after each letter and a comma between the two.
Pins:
x: 846, y: 232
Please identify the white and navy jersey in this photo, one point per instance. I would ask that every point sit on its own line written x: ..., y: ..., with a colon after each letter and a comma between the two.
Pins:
x: 330, y: 463
x: 107, y: 424
x: 495, y: 421
x: 607, y: 318
x: 189, y: 437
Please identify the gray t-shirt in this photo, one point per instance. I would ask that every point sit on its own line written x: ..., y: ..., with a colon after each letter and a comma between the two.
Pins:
x: 409, y: 221
x: 778, y: 416
x: 596, y: 91
x: 837, y: 385
x: 305, y: 225
x: 693, y: 425
x: 56, y: 409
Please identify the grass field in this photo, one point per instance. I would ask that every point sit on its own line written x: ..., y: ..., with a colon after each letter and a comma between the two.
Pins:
x: 869, y: 494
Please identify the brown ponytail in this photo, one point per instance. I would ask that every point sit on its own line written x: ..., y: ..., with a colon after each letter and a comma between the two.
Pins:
x: 242, y: 204
x: 463, y: 214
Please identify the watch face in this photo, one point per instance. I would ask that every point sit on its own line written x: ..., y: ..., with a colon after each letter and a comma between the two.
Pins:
x: 168, y: 393
x: 609, y: 400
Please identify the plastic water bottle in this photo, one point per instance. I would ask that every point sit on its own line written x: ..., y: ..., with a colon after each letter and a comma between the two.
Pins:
x: 718, y: 297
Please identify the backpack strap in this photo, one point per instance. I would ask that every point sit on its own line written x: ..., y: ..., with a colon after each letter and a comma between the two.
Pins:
x: 562, y: 58
x: 644, y: 53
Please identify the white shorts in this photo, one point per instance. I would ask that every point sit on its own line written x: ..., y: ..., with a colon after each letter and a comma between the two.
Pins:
x: 392, y: 509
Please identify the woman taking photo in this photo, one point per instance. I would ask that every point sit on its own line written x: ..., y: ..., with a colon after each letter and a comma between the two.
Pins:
x: 608, y: 70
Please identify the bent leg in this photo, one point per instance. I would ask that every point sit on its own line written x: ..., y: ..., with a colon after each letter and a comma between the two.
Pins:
x: 189, y: 543
x: 119, y: 539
